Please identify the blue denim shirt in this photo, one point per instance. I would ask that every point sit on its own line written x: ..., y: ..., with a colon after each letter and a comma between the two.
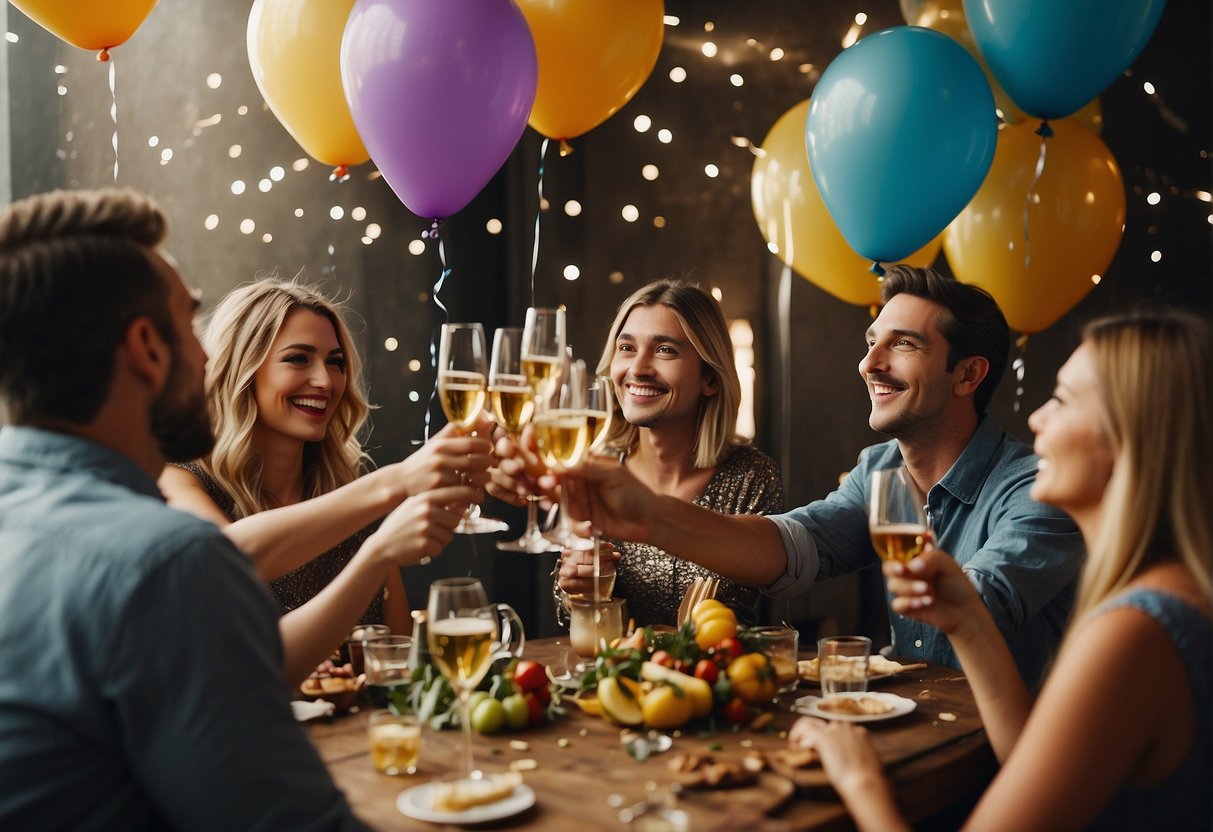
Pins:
x: 142, y: 678
x: 1023, y: 557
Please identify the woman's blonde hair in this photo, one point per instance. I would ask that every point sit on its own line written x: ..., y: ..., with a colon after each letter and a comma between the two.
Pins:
x: 1153, y: 375
x: 238, y: 335
x: 705, y: 326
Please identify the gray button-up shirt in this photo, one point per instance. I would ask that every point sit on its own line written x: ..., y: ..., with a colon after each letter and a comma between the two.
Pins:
x: 1023, y: 557
x: 142, y: 684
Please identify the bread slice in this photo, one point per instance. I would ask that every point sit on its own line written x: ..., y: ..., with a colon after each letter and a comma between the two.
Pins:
x: 460, y: 795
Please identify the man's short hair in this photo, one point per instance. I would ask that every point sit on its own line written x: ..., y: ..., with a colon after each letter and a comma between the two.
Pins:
x: 75, y: 272
x: 973, y: 325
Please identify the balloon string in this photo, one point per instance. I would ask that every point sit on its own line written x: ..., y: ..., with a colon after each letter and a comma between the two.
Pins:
x: 785, y: 367
x: 1027, y: 204
x: 114, y: 108
x: 543, y: 152
x: 433, y: 234
x: 1019, y: 365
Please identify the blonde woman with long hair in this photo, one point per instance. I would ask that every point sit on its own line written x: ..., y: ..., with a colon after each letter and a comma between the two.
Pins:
x: 677, y: 393
x: 1119, y: 737
x: 288, y: 407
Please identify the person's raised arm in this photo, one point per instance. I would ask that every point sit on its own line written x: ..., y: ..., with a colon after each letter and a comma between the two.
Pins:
x: 418, y: 528
x: 933, y: 589
x: 620, y: 506
x: 283, y: 539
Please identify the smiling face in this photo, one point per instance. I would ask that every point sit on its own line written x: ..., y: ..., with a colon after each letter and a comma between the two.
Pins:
x: 1076, y: 455
x: 299, y: 385
x: 906, y: 367
x: 659, y: 376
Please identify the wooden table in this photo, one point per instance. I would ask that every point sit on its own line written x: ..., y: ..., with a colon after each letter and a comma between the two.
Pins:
x: 583, y: 775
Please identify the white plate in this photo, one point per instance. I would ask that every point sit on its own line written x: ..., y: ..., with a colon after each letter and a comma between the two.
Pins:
x: 417, y: 803
x: 900, y: 707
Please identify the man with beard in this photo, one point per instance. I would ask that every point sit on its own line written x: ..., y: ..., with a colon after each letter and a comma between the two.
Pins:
x: 142, y: 684
x: 934, y: 356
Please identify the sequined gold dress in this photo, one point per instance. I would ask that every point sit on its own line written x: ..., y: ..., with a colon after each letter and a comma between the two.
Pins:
x: 301, y: 585
x: 653, y: 582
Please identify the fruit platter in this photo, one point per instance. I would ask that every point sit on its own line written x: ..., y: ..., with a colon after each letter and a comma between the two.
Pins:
x: 709, y: 670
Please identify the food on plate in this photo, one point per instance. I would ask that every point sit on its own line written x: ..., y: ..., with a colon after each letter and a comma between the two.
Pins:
x: 461, y: 795
x: 698, y: 770
x: 334, y: 683
x: 877, y: 666
x: 794, y: 758
x: 857, y: 705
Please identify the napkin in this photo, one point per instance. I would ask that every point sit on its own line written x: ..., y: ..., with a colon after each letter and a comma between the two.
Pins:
x: 306, y: 711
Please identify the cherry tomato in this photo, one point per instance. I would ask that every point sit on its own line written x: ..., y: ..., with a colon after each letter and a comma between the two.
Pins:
x: 662, y: 658
x: 727, y: 650
x: 530, y: 675
x: 534, y: 708
x: 543, y: 694
x: 736, y: 711
x: 706, y: 669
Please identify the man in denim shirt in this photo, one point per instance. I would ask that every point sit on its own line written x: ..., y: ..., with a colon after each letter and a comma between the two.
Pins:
x: 935, y: 355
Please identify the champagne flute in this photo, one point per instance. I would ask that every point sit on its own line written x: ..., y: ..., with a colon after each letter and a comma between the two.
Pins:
x: 512, y: 399
x: 897, y: 516
x: 543, y: 348
x: 599, y: 405
x: 462, y: 629
x: 561, y: 436
x: 461, y: 389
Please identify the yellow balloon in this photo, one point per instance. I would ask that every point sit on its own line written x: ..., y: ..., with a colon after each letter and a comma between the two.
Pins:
x: 948, y: 17
x: 797, y: 225
x: 294, y: 48
x: 1076, y: 216
x: 593, y: 57
x: 88, y: 24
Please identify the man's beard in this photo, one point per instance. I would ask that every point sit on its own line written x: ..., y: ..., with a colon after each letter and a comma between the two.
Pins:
x: 180, y: 420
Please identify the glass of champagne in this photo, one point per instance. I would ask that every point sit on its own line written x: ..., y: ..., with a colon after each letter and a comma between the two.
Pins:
x: 599, y: 405
x: 561, y: 436
x: 462, y: 371
x: 465, y: 633
x: 897, y: 515
x: 543, y: 348
x: 512, y: 399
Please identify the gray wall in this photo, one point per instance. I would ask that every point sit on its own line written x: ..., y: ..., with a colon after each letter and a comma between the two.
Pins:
x: 63, y: 140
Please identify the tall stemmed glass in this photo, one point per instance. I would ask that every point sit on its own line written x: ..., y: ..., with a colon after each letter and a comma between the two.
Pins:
x: 462, y: 370
x: 462, y: 631
x: 561, y: 437
x: 513, y: 402
x: 543, y: 345
x: 897, y: 515
x: 599, y: 405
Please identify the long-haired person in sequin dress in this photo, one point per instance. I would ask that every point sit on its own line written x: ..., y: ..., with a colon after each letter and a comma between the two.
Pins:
x: 289, y: 409
x: 1119, y: 737
x: 677, y: 393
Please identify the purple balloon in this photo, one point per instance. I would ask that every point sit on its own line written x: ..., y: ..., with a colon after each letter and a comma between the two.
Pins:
x: 440, y: 91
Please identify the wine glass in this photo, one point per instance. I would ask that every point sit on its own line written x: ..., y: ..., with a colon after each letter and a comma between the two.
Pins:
x: 599, y: 405
x: 464, y: 632
x: 513, y: 402
x: 461, y: 389
x: 543, y: 348
x: 561, y: 437
x: 897, y: 515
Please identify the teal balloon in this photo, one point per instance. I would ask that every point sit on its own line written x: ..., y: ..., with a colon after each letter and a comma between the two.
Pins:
x: 900, y: 134
x: 1053, y: 56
